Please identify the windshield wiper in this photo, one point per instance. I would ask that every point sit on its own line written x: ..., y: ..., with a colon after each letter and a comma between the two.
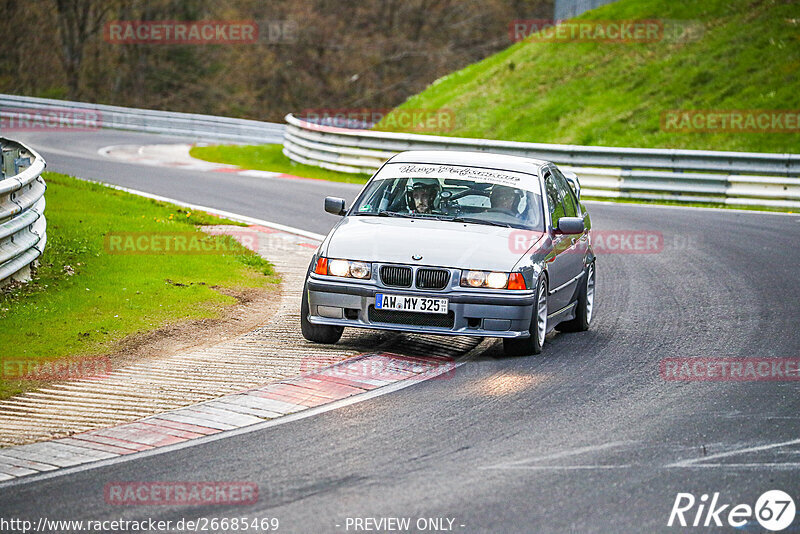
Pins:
x: 384, y: 213
x: 474, y: 220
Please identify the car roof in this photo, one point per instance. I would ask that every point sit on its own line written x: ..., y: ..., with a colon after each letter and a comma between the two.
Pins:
x: 471, y: 159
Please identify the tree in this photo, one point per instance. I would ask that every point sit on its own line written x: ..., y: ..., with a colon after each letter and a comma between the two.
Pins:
x: 78, y: 21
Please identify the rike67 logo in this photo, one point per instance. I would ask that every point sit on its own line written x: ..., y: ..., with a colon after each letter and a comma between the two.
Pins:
x: 774, y: 511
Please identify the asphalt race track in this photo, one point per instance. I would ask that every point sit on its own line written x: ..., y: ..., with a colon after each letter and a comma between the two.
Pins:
x: 294, y: 203
x: 588, y: 437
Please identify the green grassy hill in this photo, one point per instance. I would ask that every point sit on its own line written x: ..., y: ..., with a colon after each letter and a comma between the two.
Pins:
x: 739, y: 54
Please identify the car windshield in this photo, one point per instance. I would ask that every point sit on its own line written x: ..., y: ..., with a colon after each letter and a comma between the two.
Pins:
x: 447, y: 193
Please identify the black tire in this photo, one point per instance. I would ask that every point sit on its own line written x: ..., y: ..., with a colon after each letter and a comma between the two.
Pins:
x: 584, y: 308
x: 535, y: 342
x: 317, y: 333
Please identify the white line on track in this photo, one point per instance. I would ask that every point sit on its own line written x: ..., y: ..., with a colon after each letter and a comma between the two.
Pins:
x: 558, y: 467
x: 692, y: 462
x: 520, y: 464
x: 765, y: 465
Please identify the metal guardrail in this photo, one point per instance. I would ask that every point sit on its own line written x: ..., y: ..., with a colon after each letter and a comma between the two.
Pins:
x: 736, y: 178
x: 566, y: 9
x: 81, y: 115
x: 23, y: 229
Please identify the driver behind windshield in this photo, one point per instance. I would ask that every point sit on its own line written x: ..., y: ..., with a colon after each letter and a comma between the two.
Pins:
x: 423, y: 196
x: 505, y: 199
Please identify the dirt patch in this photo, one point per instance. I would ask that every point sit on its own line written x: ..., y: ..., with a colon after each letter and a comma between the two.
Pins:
x: 254, y: 307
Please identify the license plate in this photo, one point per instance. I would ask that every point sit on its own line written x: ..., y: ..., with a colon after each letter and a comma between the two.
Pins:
x: 412, y: 304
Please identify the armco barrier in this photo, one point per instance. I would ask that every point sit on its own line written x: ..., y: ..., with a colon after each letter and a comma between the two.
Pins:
x: 736, y: 178
x: 22, y: 223
x: 138, y: 120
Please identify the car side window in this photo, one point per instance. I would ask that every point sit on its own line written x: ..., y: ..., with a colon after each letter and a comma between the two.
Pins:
x: 554, y: 204
x: 565, y: 194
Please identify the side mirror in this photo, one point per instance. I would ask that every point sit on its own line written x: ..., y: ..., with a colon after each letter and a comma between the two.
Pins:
x: 570, y: 225
x: 574, y: 183
x: 335, y: 205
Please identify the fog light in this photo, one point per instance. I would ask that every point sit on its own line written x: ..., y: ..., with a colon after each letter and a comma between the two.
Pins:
x: 330, y: 312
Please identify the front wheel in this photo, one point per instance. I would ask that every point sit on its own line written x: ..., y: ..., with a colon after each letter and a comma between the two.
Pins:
x: 535, y: 342
x: 317, y: 333
x: 585, y: 305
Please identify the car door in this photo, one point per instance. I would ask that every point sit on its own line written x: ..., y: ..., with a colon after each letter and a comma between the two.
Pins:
x: 573, y: 245
x: 566, y: 264
x: 557, y: 261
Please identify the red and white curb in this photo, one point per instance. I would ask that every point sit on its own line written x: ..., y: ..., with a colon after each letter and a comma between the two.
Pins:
x: 354, y: 379
x: 350, y: 378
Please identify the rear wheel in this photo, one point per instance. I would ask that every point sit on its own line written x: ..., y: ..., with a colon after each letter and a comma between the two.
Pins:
x: 585, y: 306
x: 317, y: 333
x: 534, y: 343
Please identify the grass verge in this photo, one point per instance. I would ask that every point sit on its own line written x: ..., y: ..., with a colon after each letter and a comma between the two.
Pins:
x: 84, y: 300
x: 270, y: 158
x: 734, y: 55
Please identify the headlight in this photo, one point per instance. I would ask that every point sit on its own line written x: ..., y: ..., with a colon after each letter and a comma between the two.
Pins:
x: 343, y: 268
x: 359, y: 269
x: 497, y: 280
x: 338, y: 267
x: 476, y: 278
x: 492, y: 280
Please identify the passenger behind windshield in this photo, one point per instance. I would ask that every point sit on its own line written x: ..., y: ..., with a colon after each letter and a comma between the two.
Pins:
x: 448, y: 199
x: 505, y: 199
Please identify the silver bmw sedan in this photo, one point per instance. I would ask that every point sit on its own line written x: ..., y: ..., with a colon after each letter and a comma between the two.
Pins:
x: 456, y: 243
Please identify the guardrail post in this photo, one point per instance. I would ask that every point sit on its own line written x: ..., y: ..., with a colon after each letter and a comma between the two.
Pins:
x: 21, y: 163
x: 10, y: 155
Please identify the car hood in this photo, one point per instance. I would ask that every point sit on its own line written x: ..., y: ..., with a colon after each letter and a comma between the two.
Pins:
x: 440, y: 243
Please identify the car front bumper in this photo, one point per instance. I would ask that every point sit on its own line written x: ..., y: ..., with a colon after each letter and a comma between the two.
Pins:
x: 505, y: 314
